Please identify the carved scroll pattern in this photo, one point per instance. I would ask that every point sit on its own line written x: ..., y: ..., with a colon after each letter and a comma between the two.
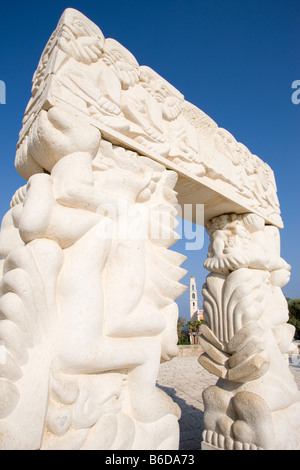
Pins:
x: 87, y: 310
x: 101, y: 80
x: 246, y: 339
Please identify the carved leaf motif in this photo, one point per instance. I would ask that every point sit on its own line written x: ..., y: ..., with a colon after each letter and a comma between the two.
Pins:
x: 230, y: 303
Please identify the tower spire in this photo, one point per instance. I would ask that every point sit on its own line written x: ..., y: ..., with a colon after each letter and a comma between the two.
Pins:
x: 193, y: 299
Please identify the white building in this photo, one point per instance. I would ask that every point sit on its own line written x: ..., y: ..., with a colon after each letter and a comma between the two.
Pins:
x: 195, y: 312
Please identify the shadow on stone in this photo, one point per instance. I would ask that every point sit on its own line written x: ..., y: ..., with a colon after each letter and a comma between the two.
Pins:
x: 191, y: 422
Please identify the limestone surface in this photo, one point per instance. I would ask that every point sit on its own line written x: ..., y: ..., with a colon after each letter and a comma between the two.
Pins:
x: 111, y: 152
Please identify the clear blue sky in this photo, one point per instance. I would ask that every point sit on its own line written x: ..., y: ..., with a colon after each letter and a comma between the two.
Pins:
x: 234, y: 59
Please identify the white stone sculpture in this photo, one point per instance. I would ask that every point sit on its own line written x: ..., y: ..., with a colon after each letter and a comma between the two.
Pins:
x: 88, y: 282
x: 246, y: 340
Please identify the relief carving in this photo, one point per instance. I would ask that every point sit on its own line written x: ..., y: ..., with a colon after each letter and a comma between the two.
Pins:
x: 99, y: 79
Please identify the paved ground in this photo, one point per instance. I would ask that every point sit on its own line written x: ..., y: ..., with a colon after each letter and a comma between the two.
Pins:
x: 184, y: 380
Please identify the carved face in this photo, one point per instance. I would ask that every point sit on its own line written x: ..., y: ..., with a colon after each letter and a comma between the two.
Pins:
x: 160, y: 91
x: 239, y: 230
x: 218, y: 223
x: 78, y: 28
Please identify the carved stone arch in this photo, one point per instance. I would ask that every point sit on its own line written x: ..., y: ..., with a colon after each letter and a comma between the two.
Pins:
x: 111, y: 152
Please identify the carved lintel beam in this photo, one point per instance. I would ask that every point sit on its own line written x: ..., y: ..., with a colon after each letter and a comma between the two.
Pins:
x: 100, y: 81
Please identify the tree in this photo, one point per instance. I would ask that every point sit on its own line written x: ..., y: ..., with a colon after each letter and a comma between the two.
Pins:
x: 183, y: 336
x: 193, y: 326
x: 194, y: 330
x: 294, y: 309
x: 180, y: 325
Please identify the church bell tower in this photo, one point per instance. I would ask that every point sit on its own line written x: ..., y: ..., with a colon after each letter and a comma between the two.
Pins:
x: 193, y: 299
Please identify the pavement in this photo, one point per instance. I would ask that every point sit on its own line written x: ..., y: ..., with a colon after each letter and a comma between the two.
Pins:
x: 184, y: 380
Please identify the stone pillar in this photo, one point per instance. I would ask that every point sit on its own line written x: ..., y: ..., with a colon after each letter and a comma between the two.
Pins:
x: 87, y: 296
x: 246, y: 339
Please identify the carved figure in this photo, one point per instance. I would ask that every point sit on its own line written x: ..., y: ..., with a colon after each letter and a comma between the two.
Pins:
x: 68, y: 251
x: 181, y: 135
x: 101, y: 81
x: 246, y: 339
